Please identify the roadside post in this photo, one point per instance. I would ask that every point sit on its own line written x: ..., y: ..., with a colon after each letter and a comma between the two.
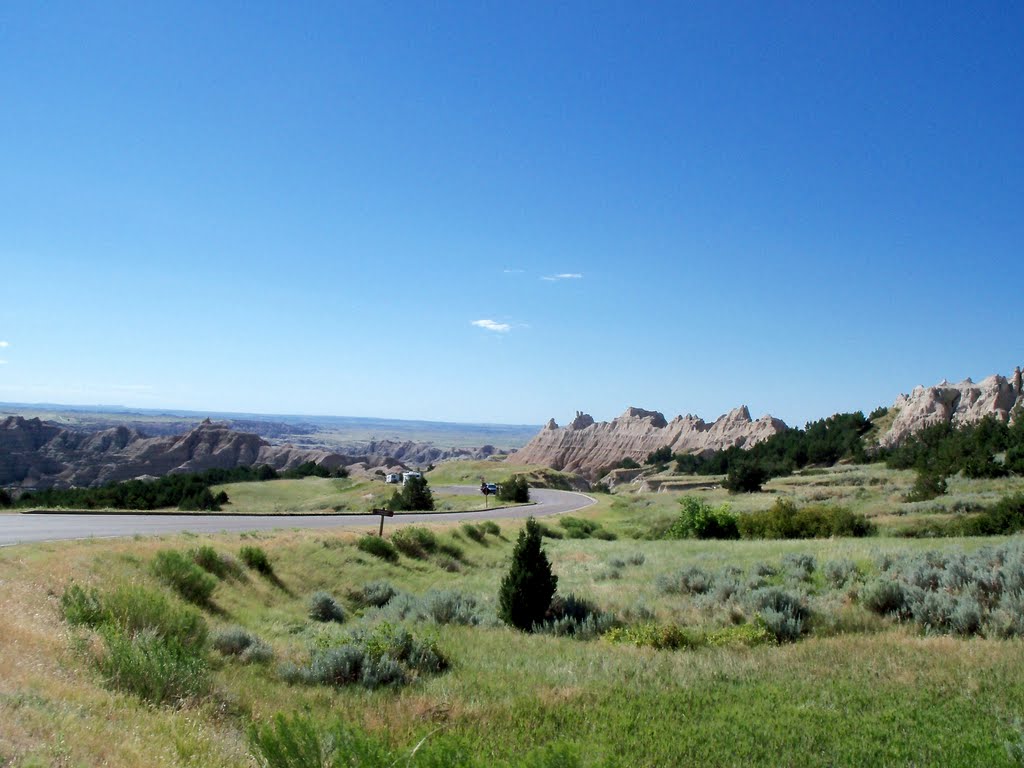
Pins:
x: 383, y: 513
x: 485, y: 491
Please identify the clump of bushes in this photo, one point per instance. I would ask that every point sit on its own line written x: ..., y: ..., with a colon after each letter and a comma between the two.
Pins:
x: 441, y: 607
x: 699, y: 520
x: 784, y: 615
x: 573, y: 616
x: 478, y: 532
x: 547, y: 532
x: 745, y: 477
x: 515, y: 490
x: 578, y: 528
x: 323, y: 607
x: 220, y: 565
x: 184, y: 576
x: 153, y: 648
x: 157, y: 669
x: 134, y: 609
x: 414, y: 496
x: 673, y: 637
x: 783, y: 520
x: 387, y: 655
x: 1003, y: 518
x: 657, y: 636
x: 415, y: 541
x: 688, y: 581
x: 954, y: 593
x: 375, y: 594
x: 799, y: 566
x: 256, y: 559
x: 243, y: 645
x: 840, y: 573
x: 378, y: 547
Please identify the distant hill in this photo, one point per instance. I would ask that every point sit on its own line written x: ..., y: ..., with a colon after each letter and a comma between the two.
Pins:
x: 342, y: 434
x: 41, y: 454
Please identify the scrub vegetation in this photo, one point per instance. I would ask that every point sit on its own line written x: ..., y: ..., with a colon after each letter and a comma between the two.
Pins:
x: 803, y: 625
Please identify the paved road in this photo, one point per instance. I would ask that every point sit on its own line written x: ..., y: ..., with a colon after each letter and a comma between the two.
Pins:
x: 18, y: 528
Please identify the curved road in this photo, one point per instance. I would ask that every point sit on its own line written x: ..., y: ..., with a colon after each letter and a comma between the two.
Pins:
x: 21, y: 528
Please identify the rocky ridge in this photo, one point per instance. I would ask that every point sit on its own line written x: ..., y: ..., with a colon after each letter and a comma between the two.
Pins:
x: 40, y: 454
x: 957, y: 404
x: 586, y: 446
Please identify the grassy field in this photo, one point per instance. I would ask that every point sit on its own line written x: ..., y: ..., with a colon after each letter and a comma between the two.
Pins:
x: 858, y: 690
x: 855, y: 688
x: 327, y: 496
x: 872, y: 490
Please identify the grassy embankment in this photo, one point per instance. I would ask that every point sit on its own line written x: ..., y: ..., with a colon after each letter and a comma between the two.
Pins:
x: 856, y: 689
x: 872, y: 490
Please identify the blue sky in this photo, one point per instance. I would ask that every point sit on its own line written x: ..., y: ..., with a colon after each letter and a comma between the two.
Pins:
x: 354, y: 208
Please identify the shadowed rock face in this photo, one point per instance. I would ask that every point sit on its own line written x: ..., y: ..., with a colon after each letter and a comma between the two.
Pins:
x: 37, y: 454
x: 586, y: 446
x: 957, y: 404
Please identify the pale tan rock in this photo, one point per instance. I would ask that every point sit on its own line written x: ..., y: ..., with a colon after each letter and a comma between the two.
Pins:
x: 586, y: 446
x: 957, y: 404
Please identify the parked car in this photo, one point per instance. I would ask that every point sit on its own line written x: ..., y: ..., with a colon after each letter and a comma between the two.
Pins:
x: 492, y: 488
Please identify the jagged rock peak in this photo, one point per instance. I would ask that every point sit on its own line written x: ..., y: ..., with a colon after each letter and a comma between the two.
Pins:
x: 740, y: 414
x: 582, y: 420
x: 957, y: 404
x: 587, y: 447
x: 657, y: 418
x: 552, y: 424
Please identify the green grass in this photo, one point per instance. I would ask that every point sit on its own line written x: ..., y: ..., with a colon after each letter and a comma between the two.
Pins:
x: 315, y: 495
x: 859, y: 690
x: 872, y: 490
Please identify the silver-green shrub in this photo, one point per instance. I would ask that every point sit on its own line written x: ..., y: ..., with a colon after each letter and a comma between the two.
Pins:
x: 323, y: 607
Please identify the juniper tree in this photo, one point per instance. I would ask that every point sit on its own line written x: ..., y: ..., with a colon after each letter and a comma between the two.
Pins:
x: 528, y: 587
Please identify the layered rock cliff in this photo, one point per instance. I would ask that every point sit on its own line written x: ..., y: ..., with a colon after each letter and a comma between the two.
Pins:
x: 962, y: 403
x: 39, y: 454
x: 586, y: 446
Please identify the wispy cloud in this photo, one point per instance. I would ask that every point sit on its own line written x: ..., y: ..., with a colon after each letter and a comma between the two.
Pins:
x: 3, y: 362
x: 492, y: 325
x: 563, y: 276
x: 513, y: 271
x: 4, y: 344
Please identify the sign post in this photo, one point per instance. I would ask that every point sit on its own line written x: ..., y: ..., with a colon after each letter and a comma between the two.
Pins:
x: 383, y: 513
x: 485, y: 491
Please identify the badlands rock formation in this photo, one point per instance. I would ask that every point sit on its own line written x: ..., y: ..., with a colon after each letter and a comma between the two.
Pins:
x: 40, y: 454
x: 963, y: 403
x: 586, y: 446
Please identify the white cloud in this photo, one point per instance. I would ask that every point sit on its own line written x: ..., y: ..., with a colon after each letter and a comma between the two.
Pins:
x: 563, y: 276
x: 491, y: 325
x: 513, y: 271
x: 3, y: 362
x: 4, y: 344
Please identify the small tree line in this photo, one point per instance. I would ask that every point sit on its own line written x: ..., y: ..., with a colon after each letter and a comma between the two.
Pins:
x: 188, y: 491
